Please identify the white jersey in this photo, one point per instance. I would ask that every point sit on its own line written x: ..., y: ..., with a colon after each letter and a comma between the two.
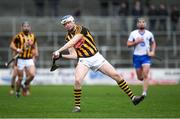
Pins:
x: 143, y: 47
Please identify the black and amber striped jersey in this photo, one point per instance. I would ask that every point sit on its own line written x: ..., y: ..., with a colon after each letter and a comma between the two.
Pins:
x: 26, y: 43
x: 86, y: 46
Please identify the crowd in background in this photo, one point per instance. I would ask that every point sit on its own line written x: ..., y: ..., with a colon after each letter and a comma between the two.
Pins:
x: 156, y: 13
x: 52, y: 5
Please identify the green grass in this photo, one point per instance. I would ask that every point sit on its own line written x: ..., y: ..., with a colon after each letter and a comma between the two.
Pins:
x: 96, y: 102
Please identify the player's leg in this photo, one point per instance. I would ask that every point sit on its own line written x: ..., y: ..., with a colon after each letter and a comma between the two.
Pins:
x: 80, y: 72
x: 146, y: 79
x: 30, y: 74
x: 138, y: 66
x: 139, y: 73
x: 140, y: 76
x: 141, y: 65
x: 20, y: 69
x: 18, y: 82
x: 109, y: 70
x: 146, y: 62
x: 13, y: 79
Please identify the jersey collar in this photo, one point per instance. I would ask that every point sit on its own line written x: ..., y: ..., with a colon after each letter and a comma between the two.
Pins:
x: 141, y: 32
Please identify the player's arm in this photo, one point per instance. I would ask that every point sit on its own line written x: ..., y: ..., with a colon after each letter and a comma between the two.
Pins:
x: 134, y: 42
x: 13, y: 46
x: 69, y: 44
x: 152, y: 48
x: 72, y: 54
x: 35, y: 52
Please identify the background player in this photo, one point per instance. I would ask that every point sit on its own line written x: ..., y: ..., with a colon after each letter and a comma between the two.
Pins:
x: 144, y: 48
x: 25, y: 44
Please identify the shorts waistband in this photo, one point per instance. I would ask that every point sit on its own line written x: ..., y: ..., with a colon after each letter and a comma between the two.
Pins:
x: 24, y: 58
x: 89, y: 56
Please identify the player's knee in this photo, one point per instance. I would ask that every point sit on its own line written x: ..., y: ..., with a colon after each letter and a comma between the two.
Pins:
x: 31, y: 75
x: 20, y: 78
x: 145, y: 76
x: 141, y: 78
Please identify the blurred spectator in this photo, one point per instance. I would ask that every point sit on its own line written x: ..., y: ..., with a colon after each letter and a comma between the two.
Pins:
x: 39, y: 6
x: 123, y: 10
x: 162, y: 12
x: 53, y: 6
x: 174, y: 17
x: 77, y: 12
x: 115, y: 8
x: 152, y: 13
x: 123, y: 13
x: 104, y: 8
x: 147, y: 3
x: 137, y: 11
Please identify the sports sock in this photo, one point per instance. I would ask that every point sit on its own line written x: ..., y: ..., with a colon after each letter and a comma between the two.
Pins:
x: 77, y: 96
x: 144, y: 93
x: 12, y: 86
x: 17, y: 93
x: 25, y: 83
x: 123, y: 85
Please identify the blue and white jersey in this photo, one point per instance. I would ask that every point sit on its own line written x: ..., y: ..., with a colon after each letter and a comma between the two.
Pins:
x: 143, y: 47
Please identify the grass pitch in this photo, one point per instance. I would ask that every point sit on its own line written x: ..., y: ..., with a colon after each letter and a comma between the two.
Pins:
x: 96, y: 102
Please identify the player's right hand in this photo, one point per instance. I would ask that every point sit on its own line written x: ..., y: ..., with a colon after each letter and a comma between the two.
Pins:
x: 139, y: 40
x: 19, y: 50
x: 55, y: 55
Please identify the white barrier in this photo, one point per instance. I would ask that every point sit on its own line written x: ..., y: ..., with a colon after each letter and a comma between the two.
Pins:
x: 66, y: 76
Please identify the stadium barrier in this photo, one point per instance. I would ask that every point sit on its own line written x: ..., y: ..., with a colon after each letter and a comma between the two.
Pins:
x: 66, y: 76
x: 110, y: 37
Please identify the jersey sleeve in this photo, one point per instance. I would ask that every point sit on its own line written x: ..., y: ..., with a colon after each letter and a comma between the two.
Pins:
x: 131, y: 38
x: 81, y: 30
x: 84, y: 31
x: 152, y: 38
x: 66, y: 38
x: 16, y: 39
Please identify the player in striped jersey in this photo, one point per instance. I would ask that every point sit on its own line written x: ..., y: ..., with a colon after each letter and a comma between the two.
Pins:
x: 25, y: 44
x: 81, y: 46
